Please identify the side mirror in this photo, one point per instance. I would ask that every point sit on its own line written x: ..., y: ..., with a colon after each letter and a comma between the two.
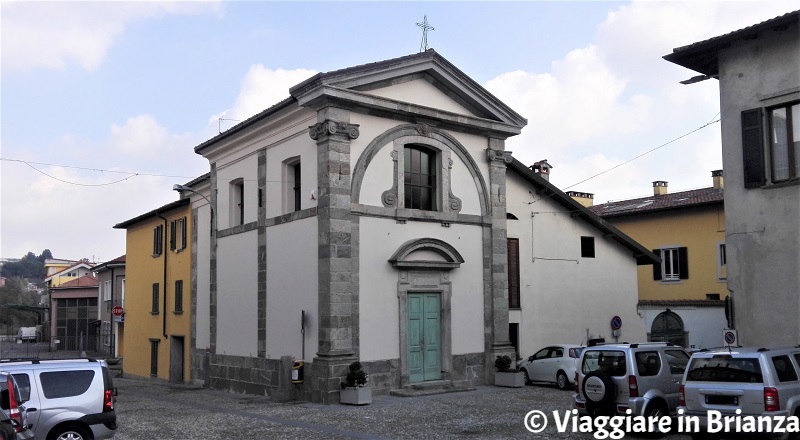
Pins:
x: 530, y: 359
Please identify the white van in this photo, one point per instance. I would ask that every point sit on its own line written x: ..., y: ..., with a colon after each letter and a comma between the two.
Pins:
x: 66, y: 399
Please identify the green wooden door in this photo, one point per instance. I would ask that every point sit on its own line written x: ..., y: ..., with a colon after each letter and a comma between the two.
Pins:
x: 424, y: 346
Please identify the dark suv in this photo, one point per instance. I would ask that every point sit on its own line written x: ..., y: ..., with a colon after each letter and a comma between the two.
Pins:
x: 66, y: 399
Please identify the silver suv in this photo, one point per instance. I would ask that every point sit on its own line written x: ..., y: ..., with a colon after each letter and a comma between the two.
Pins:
x: 755, y: 381
x: 613, y: 378
x: 66, y: 399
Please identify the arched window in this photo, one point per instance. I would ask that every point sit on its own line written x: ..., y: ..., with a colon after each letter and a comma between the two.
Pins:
x: 668, y: 327
x: 419, y: 176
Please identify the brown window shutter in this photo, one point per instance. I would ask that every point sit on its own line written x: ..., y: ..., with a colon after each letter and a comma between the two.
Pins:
x: 513, y: 273
x: 657, y: 266
x: 683, y: 263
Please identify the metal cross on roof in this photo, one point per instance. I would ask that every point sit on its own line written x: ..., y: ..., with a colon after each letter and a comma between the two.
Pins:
x: 425, y: 28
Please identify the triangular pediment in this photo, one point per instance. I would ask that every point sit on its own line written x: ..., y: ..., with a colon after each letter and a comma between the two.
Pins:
x: 425, y: 80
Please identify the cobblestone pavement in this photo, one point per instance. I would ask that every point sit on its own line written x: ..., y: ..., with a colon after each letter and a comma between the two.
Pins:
x: 154, y: 410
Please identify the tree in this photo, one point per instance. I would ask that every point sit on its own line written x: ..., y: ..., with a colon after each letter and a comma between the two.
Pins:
x: 45, y: 255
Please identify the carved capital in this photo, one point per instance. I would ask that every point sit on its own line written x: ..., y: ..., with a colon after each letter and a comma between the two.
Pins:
x: 499, y: 156
x: 329, y: 128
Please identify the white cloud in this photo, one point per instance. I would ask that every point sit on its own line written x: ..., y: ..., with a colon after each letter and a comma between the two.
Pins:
x: 53, y: 34
x: 262, y: 88
x: 616, y: 98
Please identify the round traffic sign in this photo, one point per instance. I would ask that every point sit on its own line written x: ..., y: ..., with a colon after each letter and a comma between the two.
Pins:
x: 117, y: 311
x: 730, y: 338
x: 616, y: 323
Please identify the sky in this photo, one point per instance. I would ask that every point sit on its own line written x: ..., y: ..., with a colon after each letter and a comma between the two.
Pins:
x: 102, y: 103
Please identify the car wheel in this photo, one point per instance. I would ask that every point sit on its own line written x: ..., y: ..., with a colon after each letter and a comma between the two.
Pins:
x: 527, y: 378
x: 602, y: 393
x: 562, y: 381
x: 68, y: 432
x: 657, y: 409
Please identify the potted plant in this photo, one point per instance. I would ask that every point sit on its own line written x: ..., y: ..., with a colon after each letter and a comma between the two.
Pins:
x: 505, y: 375
x: 355, y: 390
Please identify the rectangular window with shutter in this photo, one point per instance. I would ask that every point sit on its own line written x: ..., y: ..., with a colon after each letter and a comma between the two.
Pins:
x: 674, y: 264
x: 513, y: 274
x: 154, y: 305
x: 753, y: 149
x: 178, y: 297
x: 784, y: 146
x: 158, y: 237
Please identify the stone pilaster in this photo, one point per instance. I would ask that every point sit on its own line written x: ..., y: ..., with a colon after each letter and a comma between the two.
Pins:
x: 338, y: 305
x: 497, y: 339
x: 212, y: 267
x: 262, y: 254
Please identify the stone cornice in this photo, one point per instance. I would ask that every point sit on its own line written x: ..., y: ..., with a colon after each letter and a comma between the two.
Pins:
x: 370, y: 104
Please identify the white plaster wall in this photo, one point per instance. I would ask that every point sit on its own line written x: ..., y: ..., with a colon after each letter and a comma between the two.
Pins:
x: 203, y: 273
x: 279, y: 186
x: 421, y: 92
x: 247, y: 169
x: 565, y: 296
x: 762, y: 224
x: 292, y: 286
x: 237, y: 294
x: 377, y: 177
x: 704, y: 324
x: 378, y: 301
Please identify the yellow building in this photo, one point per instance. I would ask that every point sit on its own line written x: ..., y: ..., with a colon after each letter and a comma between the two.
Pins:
x: 59, y: 272
x: 158, y: 293
x: 682, y: 299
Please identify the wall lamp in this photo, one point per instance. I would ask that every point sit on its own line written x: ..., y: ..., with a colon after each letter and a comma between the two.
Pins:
x: 181, y: 188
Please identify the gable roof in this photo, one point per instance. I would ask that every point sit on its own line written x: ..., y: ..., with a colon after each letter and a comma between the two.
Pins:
x: 88, y: 280
x: 643, y: 256
x: 176, y: 204
x: 349, y: 88
x: 116, y: 262
x: 665, y: 202
x: 702, y: 56
x: 80, y: 264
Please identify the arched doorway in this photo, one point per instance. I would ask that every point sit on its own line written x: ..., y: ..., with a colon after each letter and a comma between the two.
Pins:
x: 668, y: 327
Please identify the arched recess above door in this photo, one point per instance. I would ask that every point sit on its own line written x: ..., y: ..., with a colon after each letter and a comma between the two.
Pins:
x: 450, y: 258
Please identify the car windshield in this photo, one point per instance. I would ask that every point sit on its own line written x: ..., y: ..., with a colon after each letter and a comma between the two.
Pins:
x: 575, y: 352
x: 725, y: 369
x: 611, y: 362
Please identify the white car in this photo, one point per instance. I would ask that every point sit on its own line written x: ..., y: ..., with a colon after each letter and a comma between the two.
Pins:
x: 553, y: 364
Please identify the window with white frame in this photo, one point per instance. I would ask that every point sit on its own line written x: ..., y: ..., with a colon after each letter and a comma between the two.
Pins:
x: 107, y: 291
x: 292, y: 185
x: 722, y: 262
x: 177, y: 240
x: 674, y: 264
x: 784, y: 148
x: 780, y: 160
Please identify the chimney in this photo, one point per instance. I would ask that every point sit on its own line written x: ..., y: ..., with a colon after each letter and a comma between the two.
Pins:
x: 659, y: 188
x: 716, y: 176
x: 542, y: 168
x: 585, y: 199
